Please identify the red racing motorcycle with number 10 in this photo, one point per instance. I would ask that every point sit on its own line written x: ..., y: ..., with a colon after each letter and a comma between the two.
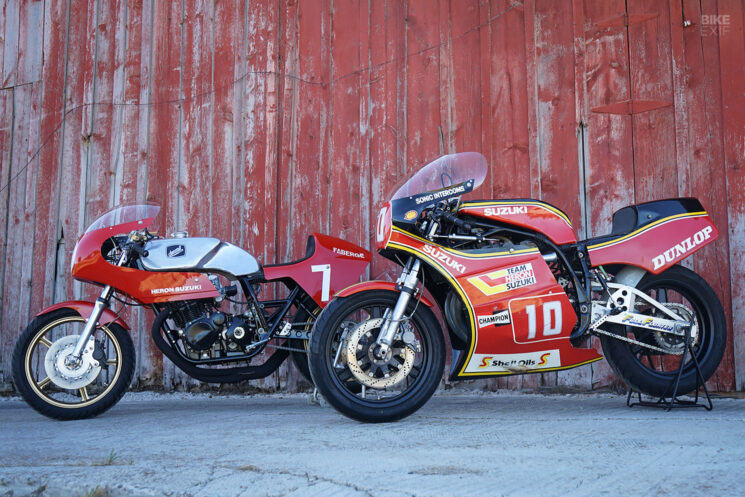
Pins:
x: 519, y: 294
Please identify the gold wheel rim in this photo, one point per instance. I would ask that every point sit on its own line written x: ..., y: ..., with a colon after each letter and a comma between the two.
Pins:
x: 38, y: 386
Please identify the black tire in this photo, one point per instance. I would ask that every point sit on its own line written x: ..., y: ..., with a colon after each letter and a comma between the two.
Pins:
x: 48, y: 398
x: 345, y: 393
x: 628, y: 360
x: 300, y: 359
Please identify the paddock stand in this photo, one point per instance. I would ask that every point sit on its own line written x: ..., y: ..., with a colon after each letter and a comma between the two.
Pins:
x: 674, y: 401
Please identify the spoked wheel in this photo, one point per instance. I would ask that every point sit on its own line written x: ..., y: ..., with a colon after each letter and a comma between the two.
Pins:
x: 353, y: 375
x: 652, y: 372
x: 61, y: 389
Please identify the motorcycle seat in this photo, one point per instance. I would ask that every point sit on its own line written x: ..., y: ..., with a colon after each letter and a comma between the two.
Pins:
x: 635, y: 217
x: 310, y: 248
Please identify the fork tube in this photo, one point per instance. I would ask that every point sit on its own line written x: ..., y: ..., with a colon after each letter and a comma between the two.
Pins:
x: 102, y: 302
x: 408, y: 284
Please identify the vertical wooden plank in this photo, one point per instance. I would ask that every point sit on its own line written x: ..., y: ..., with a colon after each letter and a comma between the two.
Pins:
x: 508, y: 97
x: 9, y: 24
x: 423, y: 116
x: 165, y: 133
x: 30, y: 69
x: 387, y: 30
x: 464, y: 87
x: 13, y: 75
x: 732, y: 57
x: 134, y: 57
x: 655, y: 167
x: 696, y: 72
x: 47, y: 235
x: 609, y: 156
x: 344, y: 121
x: 557, y: 151
x: 227, y: 32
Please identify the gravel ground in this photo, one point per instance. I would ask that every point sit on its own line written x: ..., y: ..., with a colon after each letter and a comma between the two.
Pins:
x: 463, y: 444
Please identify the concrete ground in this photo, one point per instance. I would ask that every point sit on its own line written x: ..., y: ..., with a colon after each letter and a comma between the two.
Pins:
x: 465, y: 444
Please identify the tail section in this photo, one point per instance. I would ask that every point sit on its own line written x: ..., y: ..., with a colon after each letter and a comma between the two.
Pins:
x: 654, y: 235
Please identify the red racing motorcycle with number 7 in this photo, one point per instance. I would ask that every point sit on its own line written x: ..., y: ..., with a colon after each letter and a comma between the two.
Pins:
x: 519, y: 293
x: 76, y: 359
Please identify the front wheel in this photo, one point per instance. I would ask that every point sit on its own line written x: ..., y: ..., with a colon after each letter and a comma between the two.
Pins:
x: 60, y: 390
x: 354, y: 378
x: 653, y: 372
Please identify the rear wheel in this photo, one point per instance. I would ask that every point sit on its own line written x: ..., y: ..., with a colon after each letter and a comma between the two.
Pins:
x: 650, y: 372
x: 62, y: 391
x: 351, y: 374
x: 306, y: 314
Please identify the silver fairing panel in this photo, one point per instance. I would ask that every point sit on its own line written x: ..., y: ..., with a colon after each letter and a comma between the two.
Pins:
x: 200, y: 255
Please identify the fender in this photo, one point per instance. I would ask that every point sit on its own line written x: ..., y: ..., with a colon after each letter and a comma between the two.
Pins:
x: 84, y: 309
x: 374, y: 285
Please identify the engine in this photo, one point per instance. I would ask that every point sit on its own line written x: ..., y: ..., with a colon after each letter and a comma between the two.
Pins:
x: 208, y: 333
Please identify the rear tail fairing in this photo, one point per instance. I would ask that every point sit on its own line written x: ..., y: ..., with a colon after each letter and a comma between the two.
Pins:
x: 330, y: 265
x: 519, y: 317
x: 654, y: 235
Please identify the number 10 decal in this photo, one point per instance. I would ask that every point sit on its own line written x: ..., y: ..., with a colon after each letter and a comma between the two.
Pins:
x: 545, y: 317
x: 325, y: 281
x: 551, y: 319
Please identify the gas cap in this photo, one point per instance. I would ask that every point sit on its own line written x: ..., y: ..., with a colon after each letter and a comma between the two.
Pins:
x: 180, y: 234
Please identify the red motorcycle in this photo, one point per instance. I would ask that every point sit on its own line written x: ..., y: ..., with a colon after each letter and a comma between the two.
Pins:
x: 519, y: 293
x: 76, y: 359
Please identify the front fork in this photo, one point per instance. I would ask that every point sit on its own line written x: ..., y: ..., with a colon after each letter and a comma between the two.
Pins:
x: 102, y: 302
x: 407, y: 284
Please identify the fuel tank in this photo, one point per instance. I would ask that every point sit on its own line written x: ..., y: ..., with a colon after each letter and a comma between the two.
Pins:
x: 527, y: 213
x: 199, y: 254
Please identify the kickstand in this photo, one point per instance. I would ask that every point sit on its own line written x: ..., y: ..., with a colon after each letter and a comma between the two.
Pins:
x: 674, y: 401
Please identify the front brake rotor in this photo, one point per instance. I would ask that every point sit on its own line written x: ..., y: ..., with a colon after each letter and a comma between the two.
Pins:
x: 377, y: 372
x: 67, y: 377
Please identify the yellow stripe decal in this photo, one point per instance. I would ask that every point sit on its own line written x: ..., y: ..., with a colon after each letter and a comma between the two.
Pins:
x: 647, y: 227
x: 465, y: 254
x: 507, y: 202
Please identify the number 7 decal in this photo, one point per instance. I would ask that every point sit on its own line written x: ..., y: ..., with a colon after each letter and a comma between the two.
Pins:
x: 325, y: 281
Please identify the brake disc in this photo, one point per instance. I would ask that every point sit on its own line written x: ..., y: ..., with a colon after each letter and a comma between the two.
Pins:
x: 68, y: 377
x: 378, y: 372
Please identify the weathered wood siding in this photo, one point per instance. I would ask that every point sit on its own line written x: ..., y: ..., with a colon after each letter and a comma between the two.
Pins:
x: 261, y: 121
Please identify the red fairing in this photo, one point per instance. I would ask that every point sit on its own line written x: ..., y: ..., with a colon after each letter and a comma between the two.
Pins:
x: 85, y: 309
x: 534, y: 215
x: 147, y: 287
x: 520, y: 317
x: 384, y: 225
x: 659, y: 245
x: 375, y: 285
x: 334, y: 265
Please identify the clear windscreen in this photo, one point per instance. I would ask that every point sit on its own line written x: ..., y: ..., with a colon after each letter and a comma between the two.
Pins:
x: 446, y: 171
x: 125, y: 213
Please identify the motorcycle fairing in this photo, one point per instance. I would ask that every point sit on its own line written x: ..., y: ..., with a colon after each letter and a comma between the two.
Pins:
x: 146, y: 287
x: 532, y: 214
x: 654, y: 235
x: 519, y: 317
x: 330, y: 265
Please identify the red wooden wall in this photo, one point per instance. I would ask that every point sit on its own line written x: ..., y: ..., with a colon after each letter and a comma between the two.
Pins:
x: 261, y: 121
